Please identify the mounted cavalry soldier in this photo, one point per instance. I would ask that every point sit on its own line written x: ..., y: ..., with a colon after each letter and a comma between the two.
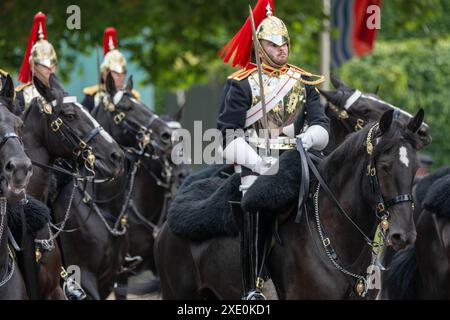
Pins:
x: 114, y: 62
x: 40, y: 61
x: 287, y: 104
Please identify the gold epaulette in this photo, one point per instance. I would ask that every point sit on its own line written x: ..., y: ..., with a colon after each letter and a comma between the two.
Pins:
x: 136, y: 94
x: 242, y: 73
x: 90, y: 91
x: 308, y: 74
x: 23, y: 86
x: 3, y: 73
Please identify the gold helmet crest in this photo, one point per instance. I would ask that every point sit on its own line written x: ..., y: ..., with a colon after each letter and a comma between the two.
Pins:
x: 273, y: 29
x: 114, y: 60
x: 39, y: 50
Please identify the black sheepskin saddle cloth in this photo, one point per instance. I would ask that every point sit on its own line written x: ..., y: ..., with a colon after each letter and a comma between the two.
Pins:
x: 36, y: 213
x: 201, y: 208
x: 433, y: 192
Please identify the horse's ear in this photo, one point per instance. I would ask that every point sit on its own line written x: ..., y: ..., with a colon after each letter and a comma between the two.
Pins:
x: 110, y: 85
x: 377, y: 89
x: 337, y: 83
x: 54, y: 82
x: 178, y: 114
x: 43, y: 90
x: 129, y: 86
x: 386, y: 121
x: 416, y: 122
x: 329, y: 95
x: 8, y: 88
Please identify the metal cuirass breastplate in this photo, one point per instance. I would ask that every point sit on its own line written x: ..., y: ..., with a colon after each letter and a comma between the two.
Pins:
x: 288, y: 107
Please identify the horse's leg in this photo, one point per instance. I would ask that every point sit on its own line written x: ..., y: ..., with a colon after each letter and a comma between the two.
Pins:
x: 176, y: 267
x: 89, y: 283
x: 14, y: 289
x: 121, y: 285
x: 50, y: 266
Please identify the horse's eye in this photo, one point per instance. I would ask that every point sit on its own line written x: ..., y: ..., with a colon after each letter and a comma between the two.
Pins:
x: 70, y: 116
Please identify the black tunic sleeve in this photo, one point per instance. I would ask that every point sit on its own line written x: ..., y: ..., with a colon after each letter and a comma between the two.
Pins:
x: 19, y: 107
x: 88, y: 102
x: 235, y: 100
x: 315, y: 111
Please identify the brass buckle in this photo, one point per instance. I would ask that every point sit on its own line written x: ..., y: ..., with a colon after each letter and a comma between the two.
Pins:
x: 63, y: 273
x: 119, y: 117
x: 77, y: 152
x: 359, y: 124
x: 259, y: 283
x: 371, y: 171
x: 55, y: 125
x: 82, y: 144
x: 380, y: 207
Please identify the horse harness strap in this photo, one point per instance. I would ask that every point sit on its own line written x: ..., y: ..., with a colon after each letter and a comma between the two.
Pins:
x: 10, y: 268
x: 8, y: 136
x: 381, y: 204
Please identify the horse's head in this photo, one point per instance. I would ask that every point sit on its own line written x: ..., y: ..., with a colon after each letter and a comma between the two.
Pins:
x: 364, y: 108
x: 392, y: 147
x: 15, y: 166
x: 130, y: 122
x: 70, y: 132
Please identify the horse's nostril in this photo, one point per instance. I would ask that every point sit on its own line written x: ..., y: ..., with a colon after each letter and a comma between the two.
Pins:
x: 10, y: 166
x: 397, y: 238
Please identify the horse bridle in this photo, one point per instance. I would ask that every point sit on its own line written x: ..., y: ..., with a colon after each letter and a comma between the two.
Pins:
x: 79, y: 146
x: 380, y: 209
x: 143, y: 135
x: 381, y: 204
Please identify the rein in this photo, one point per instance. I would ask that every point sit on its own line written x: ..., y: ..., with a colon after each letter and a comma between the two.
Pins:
x: 380, y: 209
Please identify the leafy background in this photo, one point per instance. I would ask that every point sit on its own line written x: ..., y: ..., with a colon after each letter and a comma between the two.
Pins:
x: 176, y: 43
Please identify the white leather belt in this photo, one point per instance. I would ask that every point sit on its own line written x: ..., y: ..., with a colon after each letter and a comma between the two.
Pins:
x: 280, y: 143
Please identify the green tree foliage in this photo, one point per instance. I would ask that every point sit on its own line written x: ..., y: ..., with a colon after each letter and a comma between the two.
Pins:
x: 410, y: 74
x: 175, y: 41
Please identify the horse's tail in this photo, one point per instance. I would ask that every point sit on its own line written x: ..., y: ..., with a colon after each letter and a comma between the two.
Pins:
x: 402, y: 278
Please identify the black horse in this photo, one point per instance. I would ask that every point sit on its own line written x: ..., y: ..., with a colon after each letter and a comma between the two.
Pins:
x: 302, y: 265
x: 102, y: 214
x: 55, y: 127
x: 423, y: 272
x: 349, y: 110
x: 15, y: 171
x: 157, y: 180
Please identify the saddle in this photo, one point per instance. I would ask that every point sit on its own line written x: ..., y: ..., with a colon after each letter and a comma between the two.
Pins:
x: 201, y: 209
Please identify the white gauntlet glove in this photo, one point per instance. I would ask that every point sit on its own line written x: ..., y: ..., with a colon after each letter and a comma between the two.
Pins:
x: 315, y: 137
x: 240, y: 152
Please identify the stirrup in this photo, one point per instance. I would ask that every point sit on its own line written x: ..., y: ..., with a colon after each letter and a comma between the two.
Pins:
x: 72, y: 290
x: 130, y: 263
x: 255, y: 294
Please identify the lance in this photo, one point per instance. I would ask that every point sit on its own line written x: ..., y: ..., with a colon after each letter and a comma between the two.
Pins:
x: 261, y: 83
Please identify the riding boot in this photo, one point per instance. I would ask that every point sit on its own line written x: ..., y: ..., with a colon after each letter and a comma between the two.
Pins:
x: 256, y: 251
